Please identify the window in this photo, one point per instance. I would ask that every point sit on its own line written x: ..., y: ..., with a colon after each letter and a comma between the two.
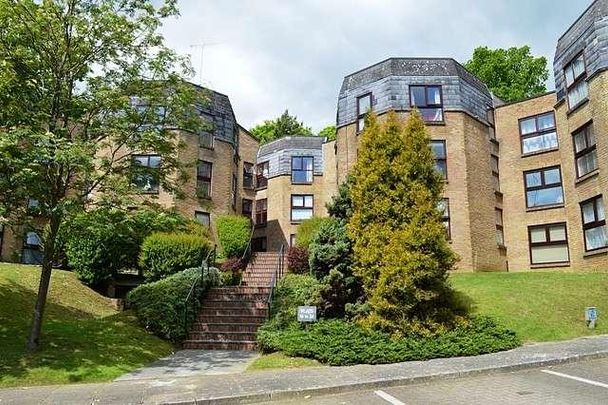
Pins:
x: 364, y: 105
x: 32, y: 248
x: 202, y: 218
x: 538, y: 133
x: 548, y: 244
x: 146, y: 170
x: 494, y: 162
x: 500, y: 233
x: 594, y: 223
x: 247, y: 207
x: 302, y: 170
x: 441, y: 163
x: 585, y: 153
x: 428, y: 101
x: 261, y: 212
x: 301, y: 207
x: 204, y: 172
x: 262, y: 174
x: 233, y: 191
x: 259, y: 244
x: 544, y: 187
x: 292, y: 240
x: 444, y: 209
x: 247, y: 175
x: 576, y: 83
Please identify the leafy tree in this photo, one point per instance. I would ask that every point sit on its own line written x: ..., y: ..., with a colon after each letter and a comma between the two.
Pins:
x: 329, y: 132
x: 78, y: 78
x: 341, y: 205
x: 400, y: 249
x: 285, y: 125
x: 512, y: 74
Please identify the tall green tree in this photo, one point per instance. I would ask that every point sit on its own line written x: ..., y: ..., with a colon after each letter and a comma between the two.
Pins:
x: 329, y: 132
x: 512, y: 74
x: 400, y: 248
x: 285, y: 125
x: 78, y: 78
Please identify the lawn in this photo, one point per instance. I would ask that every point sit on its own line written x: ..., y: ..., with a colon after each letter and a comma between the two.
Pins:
x: 280, y: 360
x: 83, y: 338
x: 539, y: 306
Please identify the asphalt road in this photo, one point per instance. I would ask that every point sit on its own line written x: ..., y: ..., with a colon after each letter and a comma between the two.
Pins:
x: 584, y: 382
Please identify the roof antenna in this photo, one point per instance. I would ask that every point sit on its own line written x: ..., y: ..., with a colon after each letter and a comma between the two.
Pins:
x: 202, y: 47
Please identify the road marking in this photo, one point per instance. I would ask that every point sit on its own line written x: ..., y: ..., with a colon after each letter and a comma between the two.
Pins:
x: 572, y: 377
x: 388, y: 398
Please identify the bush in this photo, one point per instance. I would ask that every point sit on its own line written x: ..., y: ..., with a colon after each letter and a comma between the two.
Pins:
x: 163, y: 254
x: 341, y: 343
x: 292, y: 291
x: 160, y: 306
x: 100, y: 242
x: 233, y: 233
x: 297, y: 260
x: 232, y: 271
x: 307, y: 230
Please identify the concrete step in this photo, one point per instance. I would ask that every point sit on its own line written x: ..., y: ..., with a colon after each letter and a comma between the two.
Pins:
x: 247, y: 319
x: 239, y: 290
x: 213, y: 311
x: 214, y: 345
x: 224, y: 336
x: 234, y: 304
x: 216, y: 296
x: 225, y: 327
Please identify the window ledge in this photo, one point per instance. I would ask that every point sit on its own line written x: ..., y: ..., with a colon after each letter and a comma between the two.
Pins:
x: 545, y: 207
x: 549, y: 265
x: 260, y: 188
x: 540, y: 152
x: 586, y: 177
x: 301, y: 184
x: 577, y: 107
x: 435, y: 123
x: 600, y: 251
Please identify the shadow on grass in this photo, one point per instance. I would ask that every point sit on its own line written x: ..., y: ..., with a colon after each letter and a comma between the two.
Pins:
x: 75, y: 346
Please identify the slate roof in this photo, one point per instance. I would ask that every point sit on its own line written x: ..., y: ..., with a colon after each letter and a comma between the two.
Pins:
x: 224, y: 120
x: 292, y: 142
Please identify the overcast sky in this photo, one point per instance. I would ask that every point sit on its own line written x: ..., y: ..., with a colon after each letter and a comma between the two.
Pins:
x: 269, y: 55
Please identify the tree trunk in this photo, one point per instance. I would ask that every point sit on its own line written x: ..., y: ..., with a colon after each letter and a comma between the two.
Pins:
x: 33, y: 341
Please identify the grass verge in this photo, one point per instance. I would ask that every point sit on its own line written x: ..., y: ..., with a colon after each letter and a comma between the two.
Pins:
x: 280, y: 360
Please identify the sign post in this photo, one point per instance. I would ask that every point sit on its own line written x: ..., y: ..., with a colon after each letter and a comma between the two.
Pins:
x: 591, y: 316
x: 307, y: 314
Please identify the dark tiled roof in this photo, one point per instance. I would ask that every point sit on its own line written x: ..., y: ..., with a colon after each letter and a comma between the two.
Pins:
x: 292, y: 142
x: 411, y: 67
x: 595, y: 12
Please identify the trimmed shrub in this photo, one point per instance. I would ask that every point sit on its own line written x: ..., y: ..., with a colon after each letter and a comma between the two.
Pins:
x: 292, y: 291
x: 163, y: 254
x: 161, y: 306
x: 307, y: 230
x: 232, y: 271
x: 297, y: 260
x: 341, y: 343
x: 233, y: 232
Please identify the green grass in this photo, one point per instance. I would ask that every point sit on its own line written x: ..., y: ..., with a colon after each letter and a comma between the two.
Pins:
x: 280, y: 360
x: 539, y: 306
x: 83, y: 338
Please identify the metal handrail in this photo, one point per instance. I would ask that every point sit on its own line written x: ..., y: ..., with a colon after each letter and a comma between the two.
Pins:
x: 276, y: 276
x: 247, y: 253
x: 211, y: 255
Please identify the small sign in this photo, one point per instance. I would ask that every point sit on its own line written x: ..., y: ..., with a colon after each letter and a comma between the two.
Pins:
x: 591, y: 316
x: 307, y: 314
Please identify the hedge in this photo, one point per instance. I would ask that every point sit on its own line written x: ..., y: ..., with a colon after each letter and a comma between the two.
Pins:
x: 307, y: 230
x: 233, y: 233
x: 160, y: 306
x: 163, y: 254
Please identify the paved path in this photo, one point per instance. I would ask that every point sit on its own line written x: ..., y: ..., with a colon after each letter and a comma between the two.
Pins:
x: 300, y: 383
x: 190, y: 363
x: 583, y: 382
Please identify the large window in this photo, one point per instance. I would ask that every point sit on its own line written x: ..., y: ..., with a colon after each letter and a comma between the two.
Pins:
x: 202, y: 218
x: 444, y: 209
x: 261, y: 212
x: 429, y: 102
x: 364, y: 105
x: 204, y: 172
x: 247, y: 175
x: 32, y: 248
x: 594, y: 223
x: 584, y: 150
x: 247, y: 207
x: 302, y: 169
x: 262, y: 175
x: 544, y: 187
x: 301, y: 207
x: 576, y: 81
x: 441, y: 163
x: 538, y: 133
x: 146, y: 169
x: 548, y: 244
x: 500, y: 233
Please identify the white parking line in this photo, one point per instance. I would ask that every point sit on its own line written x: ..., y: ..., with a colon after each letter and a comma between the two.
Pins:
x: 388, y: 398
x: 572, y: 377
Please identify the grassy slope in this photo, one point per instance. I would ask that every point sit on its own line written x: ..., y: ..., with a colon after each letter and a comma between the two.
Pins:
x: 539, y: 306
x: 83, y: 338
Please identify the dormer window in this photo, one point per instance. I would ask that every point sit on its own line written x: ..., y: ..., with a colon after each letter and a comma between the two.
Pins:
x: 576, y: 83
x: 364, y: 105
x: 429, y: 102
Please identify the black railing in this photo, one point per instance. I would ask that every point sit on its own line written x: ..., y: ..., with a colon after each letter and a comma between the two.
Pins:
x: 277, y: 275
x: 247, y: 253
x: 207, y: 263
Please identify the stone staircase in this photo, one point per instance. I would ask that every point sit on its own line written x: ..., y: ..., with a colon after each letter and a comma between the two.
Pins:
x: 230, y: 316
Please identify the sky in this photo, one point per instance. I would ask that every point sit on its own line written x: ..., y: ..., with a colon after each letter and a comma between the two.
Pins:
x: 272, y: 55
